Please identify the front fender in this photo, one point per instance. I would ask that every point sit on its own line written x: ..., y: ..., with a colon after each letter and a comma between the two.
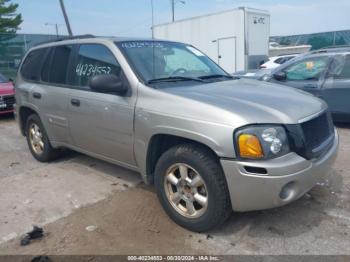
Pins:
x: 218, y: 137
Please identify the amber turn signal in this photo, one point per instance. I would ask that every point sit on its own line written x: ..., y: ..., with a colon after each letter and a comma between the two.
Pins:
x: 249, y: 146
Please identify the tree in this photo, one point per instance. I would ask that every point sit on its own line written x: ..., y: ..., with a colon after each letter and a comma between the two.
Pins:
x: 9, y: 19
x: 9, y: 24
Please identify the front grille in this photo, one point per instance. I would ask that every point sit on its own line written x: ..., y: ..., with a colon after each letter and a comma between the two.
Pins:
x: 9, y: 101
x: 312, y: 138
x: 318, y: 133
x: 317, y: 130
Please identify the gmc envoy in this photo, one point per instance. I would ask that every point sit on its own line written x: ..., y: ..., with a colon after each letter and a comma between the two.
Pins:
x: 208, y: 142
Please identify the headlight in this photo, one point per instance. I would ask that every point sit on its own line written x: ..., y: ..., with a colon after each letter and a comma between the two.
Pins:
x: 261, y: 142
x: 266, y: 78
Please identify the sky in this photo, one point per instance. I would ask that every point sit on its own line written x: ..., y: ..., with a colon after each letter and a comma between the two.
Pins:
x: 134, y: 17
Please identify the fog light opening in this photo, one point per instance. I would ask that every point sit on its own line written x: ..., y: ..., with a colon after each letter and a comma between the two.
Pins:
x: 255, y: 170
x: 288, y: 192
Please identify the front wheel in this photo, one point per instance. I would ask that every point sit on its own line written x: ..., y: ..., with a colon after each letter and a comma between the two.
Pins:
x: 192, y: 188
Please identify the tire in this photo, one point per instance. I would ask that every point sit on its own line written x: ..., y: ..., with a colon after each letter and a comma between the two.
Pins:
x: 199, y: 161
x: 47, y: 152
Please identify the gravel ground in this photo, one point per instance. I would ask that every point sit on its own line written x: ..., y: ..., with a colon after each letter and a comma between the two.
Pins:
x: 77, y: 193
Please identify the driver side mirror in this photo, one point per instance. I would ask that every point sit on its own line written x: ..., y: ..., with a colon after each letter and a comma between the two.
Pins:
x: 108, y: 83
x: 280, y: 76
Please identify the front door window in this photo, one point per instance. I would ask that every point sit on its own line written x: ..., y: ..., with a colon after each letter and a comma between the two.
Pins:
x: 308, y: 69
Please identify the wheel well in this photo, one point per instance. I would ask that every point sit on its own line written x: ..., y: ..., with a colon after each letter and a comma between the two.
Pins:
x: 24, y: 113
x: 161, y: 143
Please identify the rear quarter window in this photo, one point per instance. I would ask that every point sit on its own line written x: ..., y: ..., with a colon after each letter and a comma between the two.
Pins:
x: 31, y: 66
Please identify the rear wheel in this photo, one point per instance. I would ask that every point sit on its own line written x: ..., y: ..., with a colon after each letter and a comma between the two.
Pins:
x: 192, y: 188
x: 38, y: 140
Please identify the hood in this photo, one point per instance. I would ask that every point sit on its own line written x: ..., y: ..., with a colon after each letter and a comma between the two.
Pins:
x: 6, y: 88
x: 254, y: 101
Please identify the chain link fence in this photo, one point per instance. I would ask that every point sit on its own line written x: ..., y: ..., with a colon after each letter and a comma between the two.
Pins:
x: 14, y: 46
x: 317, y: 41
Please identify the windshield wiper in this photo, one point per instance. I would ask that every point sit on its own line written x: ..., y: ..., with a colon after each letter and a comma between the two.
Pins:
x: 215, y: 76
x: 174, y: 79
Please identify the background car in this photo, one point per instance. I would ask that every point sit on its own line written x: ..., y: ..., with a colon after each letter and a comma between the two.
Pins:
x: 7, y: 95
x: 324, y: 73
x: 256, y: 74
x: 276, y: 61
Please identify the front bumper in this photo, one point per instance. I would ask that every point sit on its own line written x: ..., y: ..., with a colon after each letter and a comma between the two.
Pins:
x: 287, y: 179
x: 7, y: 103
x: 7, y: 112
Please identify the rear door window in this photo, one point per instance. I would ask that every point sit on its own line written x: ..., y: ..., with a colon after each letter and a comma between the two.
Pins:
x: 344, y: 73
x: 308, y: 69
x: 59, y: 64
x: 31, y: 66
x: 46, y: 66
x: 92, y: 60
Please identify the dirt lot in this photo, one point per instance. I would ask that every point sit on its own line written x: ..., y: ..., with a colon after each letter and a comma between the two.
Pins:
x: 67, y: 196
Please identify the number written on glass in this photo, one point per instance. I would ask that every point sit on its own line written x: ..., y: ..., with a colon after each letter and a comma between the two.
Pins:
x: 92, y: 70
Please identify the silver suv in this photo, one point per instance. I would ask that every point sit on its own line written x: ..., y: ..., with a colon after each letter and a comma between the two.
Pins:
x: 209, y: 143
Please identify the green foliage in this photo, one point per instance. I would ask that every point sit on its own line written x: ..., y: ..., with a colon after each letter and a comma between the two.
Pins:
x: 9, y: 19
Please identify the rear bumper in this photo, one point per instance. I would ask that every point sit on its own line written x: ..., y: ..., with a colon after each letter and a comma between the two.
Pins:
x: 287, y: 179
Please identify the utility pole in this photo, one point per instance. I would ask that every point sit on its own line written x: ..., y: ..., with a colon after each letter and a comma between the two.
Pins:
x: 56, y: 27
x: 173, y: 3
x: 152, y: 6
x: 66, y: 18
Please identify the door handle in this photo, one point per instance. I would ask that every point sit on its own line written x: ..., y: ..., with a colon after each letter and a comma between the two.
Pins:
x: 75, y: 102
x: 36, y: 95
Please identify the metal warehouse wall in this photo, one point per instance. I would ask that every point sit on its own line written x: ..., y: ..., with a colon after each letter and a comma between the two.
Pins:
x: 317, y: 40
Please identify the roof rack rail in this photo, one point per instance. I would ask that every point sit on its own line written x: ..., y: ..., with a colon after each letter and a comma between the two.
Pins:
x: 336, y: 46
x: 66, y: 38
x: 337, y: 49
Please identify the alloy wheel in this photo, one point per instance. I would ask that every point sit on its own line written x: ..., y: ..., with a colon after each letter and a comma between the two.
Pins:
x: 186, y: 190
x: 36, y: 139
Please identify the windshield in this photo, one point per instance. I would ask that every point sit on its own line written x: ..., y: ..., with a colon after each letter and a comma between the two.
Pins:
x: 160, y: 60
